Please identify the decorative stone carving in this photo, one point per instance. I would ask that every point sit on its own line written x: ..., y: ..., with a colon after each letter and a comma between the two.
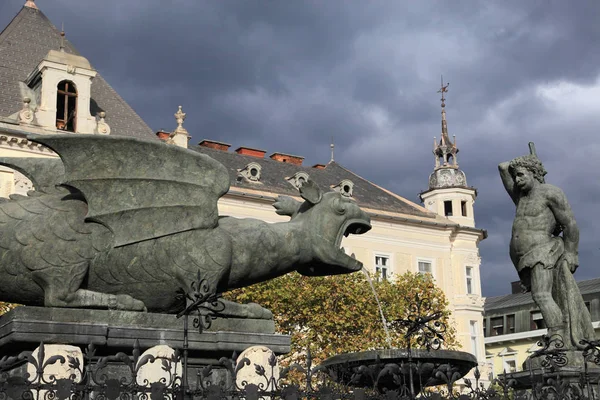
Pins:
x: 345, y: 187
x: 251, y: 172
x: 298, y: 179
x: 57, y: 370
x: 102, y: 127
x: 26, y: 114
x: 253, y: 359
x: 179, y: 136
x: 179, y: 117
x: 152, y: 372
x: 472, y: 259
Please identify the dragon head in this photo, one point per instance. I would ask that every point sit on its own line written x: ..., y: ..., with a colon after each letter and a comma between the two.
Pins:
x: 328, y: 217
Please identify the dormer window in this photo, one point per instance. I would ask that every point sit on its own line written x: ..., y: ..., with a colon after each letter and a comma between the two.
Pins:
x: 345, y: 187
x: 66, y: 106
x: 251, y: 172
x: 298, y: 179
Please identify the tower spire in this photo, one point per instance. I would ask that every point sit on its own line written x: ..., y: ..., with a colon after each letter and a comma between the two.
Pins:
x: 445, y: 151
x: 443, y: 90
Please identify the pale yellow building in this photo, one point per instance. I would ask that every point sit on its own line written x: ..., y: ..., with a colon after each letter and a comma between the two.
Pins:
x: 513, y: 325
x: 52, y: 89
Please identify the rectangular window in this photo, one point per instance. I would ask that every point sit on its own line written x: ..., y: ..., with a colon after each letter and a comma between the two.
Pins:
x: 497, y: 326
x: 537, y: 321
x: 510, y: 365
x: 484, y: 327
x: 463, y: 208
x: 510, y: 323
x: 448, y: 208
x: 381, y: 266
x: 474, y: 342
x: 469, y: 274
x: 425, y: 267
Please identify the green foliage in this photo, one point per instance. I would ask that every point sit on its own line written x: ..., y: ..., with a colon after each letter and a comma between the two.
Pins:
x: 339, y: 314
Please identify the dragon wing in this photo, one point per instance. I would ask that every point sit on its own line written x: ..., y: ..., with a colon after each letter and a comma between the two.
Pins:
x: 140, y: 189
x: 44, y: 173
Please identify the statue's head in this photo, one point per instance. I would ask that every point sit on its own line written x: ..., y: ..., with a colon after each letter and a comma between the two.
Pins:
x: 531, y: 163
x: 327, y: 217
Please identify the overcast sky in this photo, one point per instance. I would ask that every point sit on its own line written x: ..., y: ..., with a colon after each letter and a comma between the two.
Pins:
x: 288, y: 75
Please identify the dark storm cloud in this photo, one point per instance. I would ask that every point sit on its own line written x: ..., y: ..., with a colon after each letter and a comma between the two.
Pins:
x: 289, y: 75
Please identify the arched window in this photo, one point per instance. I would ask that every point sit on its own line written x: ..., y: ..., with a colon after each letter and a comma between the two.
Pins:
x: 66, y: 106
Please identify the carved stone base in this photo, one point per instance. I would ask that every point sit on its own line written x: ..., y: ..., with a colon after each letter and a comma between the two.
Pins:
x: 111, y: 331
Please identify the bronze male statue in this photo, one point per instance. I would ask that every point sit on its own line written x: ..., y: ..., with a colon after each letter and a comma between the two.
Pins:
x: 544, y: 248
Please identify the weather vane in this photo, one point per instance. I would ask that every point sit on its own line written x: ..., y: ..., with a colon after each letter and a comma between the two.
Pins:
x: 444, y: 89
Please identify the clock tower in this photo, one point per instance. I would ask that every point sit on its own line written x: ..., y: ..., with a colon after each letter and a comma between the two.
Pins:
x: 448, y: 194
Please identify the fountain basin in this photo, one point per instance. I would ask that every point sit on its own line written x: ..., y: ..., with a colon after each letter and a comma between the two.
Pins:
x: 388, y: 369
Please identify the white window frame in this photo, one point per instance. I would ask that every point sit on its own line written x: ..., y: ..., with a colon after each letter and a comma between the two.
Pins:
x: 430, y: 261
x: 388, y: 266
x: 470, y: 279
x: 509, y: 357
x: 474, y: 337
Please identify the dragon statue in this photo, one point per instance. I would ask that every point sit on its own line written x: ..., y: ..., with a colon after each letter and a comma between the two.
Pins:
x: 124, y: 223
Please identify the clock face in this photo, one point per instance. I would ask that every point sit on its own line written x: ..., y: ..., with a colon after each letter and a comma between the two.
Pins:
x: 446, y: 178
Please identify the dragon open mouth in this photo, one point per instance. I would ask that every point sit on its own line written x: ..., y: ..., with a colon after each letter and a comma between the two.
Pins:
x: 354, y: 227
x: 335, y: 261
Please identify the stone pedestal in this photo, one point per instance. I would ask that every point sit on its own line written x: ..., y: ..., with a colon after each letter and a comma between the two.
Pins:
x: 112, y: 331
x: 525, y: 380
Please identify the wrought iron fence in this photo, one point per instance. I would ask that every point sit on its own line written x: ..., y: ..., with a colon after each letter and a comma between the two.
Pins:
x: 92, y: 380
x: 27, y: 377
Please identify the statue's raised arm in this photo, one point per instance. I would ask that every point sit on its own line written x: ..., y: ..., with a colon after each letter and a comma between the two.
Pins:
x: 507, y: 180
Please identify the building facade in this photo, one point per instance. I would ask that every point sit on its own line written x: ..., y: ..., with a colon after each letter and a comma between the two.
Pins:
x: 52, y: 89
x: 513, y: 325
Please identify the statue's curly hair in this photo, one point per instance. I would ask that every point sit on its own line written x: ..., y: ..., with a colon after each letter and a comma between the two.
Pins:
x: 530, y: 162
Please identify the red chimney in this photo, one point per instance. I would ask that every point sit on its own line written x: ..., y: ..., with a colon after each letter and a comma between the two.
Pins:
x: 213, y: 144
x: 249, y: 151
x: 319, y: 166
x: 162, y: 135
x: 287, y: 158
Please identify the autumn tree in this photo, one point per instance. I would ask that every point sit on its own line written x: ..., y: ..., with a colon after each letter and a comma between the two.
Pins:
x: 339, y: 314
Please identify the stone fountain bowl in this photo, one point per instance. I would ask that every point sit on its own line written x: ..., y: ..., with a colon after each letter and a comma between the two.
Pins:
x: 388, y: 369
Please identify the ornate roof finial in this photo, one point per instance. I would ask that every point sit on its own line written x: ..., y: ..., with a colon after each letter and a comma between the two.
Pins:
x: 331, y: 146
x: 179, y: 117
x: 62, y: 38
x: 30, y: 4
x: 180, y: 135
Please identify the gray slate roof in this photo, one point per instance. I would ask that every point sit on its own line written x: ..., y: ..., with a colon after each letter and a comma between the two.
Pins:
x: 589, y: 286
x: 274, y: 174
x: 25, y: 42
